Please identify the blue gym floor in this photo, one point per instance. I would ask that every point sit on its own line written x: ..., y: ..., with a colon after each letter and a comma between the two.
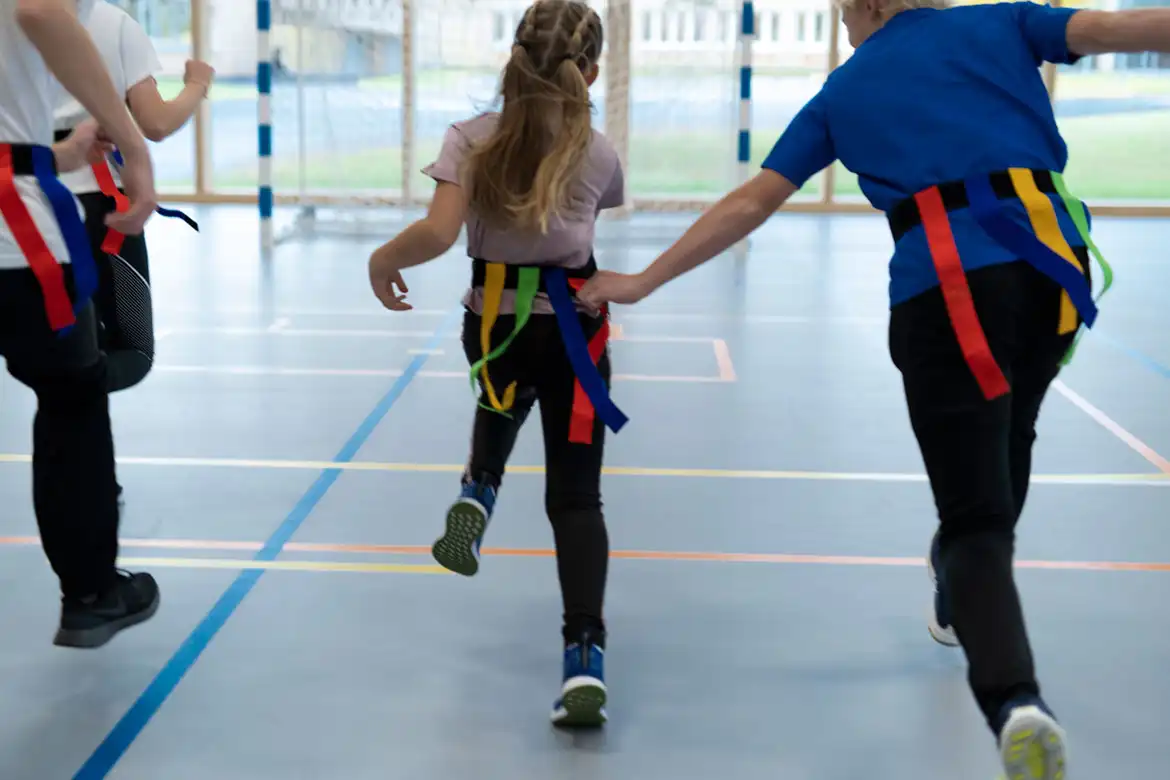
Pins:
x: 289, y: 462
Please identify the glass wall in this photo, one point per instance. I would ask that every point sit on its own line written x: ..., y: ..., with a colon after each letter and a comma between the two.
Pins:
x: 1114, y: 112
x: 168, y: 23
x: 790, y: 59
x: 338, y: 106
x: 336, y: 97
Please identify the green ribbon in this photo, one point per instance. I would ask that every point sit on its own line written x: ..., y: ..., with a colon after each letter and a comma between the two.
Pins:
x: 1076, y: 210
x: 527, y: 287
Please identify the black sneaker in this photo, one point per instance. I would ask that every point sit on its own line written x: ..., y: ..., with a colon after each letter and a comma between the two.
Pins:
x: 93, y: 621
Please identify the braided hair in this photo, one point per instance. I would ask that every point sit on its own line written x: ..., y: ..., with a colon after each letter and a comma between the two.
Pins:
x: 522, y: 174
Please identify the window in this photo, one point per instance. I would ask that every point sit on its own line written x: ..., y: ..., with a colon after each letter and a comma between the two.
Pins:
x: 1114, y: 113
x: 819, y: 27
x: 680, y: 26
x: 801, y: 19
x: 665, y: 31
x: 646, y: 24
x: 169, y: 26
x: 727, y: 29
x: 499, y: 24
x: 701, y: 25
x: 776, y: 26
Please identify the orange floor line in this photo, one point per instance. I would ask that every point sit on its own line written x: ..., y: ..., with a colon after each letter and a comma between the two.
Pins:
x: 640, y: 555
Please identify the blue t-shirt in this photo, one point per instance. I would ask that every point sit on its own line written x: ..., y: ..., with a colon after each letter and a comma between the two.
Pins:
x: 935, y: 96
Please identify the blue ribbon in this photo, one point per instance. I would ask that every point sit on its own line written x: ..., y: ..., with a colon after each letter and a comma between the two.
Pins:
x: 577, y: 348
x: 989, y: 213
x: 162, y: 212
x: 85, y: 272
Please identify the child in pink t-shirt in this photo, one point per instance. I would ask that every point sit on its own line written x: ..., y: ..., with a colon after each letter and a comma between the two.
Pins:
x: 529, y: 182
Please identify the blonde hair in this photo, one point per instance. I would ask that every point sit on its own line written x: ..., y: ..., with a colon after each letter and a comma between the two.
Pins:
x: 523, y: 173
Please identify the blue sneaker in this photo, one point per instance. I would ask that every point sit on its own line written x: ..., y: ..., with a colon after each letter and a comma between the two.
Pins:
x: 1031, y: 742
x: 582, y: 701
x: 467, y: 520
x: 939, y: 624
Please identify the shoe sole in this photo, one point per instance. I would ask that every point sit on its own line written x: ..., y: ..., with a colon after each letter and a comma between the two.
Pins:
x: 944, y: 636
x: 1032, y: 747
x: 455, y: 549
x: 582, y: 706
x: 91, y: 638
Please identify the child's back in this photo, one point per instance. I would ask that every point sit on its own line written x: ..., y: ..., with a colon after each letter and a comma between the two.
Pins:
x: 568, y: 241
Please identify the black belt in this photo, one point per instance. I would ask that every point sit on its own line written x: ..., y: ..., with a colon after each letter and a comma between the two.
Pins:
x: 22, y: 159
x: 512, y: 274
x: 905, y: 216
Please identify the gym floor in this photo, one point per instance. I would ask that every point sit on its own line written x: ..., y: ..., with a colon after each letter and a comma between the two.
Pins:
x: 289, y: 462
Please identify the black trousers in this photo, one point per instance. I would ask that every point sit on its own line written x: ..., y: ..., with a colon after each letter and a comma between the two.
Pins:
x: 123, y: 298
x: 74, y: 492
x: 537, y: 362
x: 978, y: 456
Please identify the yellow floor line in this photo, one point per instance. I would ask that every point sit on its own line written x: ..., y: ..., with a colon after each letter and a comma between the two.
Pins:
x: 623, y: 471
x: 242, y: 564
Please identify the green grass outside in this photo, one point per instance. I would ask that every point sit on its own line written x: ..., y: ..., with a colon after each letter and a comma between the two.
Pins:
x: 1118, y: 157
x: 1117, y: 84
x: 1069, y: 85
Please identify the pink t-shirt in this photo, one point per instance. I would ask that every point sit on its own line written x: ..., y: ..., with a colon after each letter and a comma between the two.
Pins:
x: 569, y: 240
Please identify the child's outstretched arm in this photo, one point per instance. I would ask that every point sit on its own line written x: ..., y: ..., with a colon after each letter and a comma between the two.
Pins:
x: 420, y: 243
x: 723, y: 225
x: 1136, y: 30
x: 805, y: 148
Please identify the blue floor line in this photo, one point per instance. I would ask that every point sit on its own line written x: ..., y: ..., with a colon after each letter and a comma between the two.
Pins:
x: 1139, y: 356
x: 122, y: 736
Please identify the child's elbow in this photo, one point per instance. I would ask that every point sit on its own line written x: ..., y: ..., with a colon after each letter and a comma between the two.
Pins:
x: 444, y: 234
x: 154, y: 133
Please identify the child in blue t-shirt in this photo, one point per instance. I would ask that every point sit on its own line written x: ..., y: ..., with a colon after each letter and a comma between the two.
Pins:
x: 944, y: 117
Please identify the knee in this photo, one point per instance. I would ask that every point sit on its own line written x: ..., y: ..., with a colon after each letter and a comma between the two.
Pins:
x: 127, y: 368
x: 577, y: 524
x: 73, y: 392
x: 579, y: 505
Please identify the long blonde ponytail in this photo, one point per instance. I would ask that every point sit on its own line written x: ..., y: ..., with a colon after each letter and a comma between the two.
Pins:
x: 522, y: 175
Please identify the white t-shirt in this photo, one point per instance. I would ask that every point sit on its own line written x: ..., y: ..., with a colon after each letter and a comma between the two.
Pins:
x: 28, y: 93
x: 129, y: 57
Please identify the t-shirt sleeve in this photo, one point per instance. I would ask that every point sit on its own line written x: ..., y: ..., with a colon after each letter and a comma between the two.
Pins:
x: 1046, y: 30
x: 451, y: 156
x: 139, y: 59
x: 615, y: 194
x: 806, y: 147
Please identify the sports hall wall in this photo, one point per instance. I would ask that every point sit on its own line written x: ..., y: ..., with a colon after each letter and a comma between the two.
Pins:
x: 363, y: 90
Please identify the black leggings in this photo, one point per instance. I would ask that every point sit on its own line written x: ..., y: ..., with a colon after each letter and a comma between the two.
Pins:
x: 978, y: 456
x: 123, y: 300
x: 537, y: 362
x: 74, y: 491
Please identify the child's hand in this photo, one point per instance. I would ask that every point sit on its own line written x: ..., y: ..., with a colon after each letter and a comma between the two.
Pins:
x: 84, y: 146
x: 610, y: 287
x: 386, y: 281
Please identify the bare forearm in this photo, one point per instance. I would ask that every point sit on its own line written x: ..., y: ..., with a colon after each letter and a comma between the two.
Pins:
x: 719, y: 228
x: 420, y: 243
x: 175, y: 113
x: 71, y: 56
x: 1103, y: 32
